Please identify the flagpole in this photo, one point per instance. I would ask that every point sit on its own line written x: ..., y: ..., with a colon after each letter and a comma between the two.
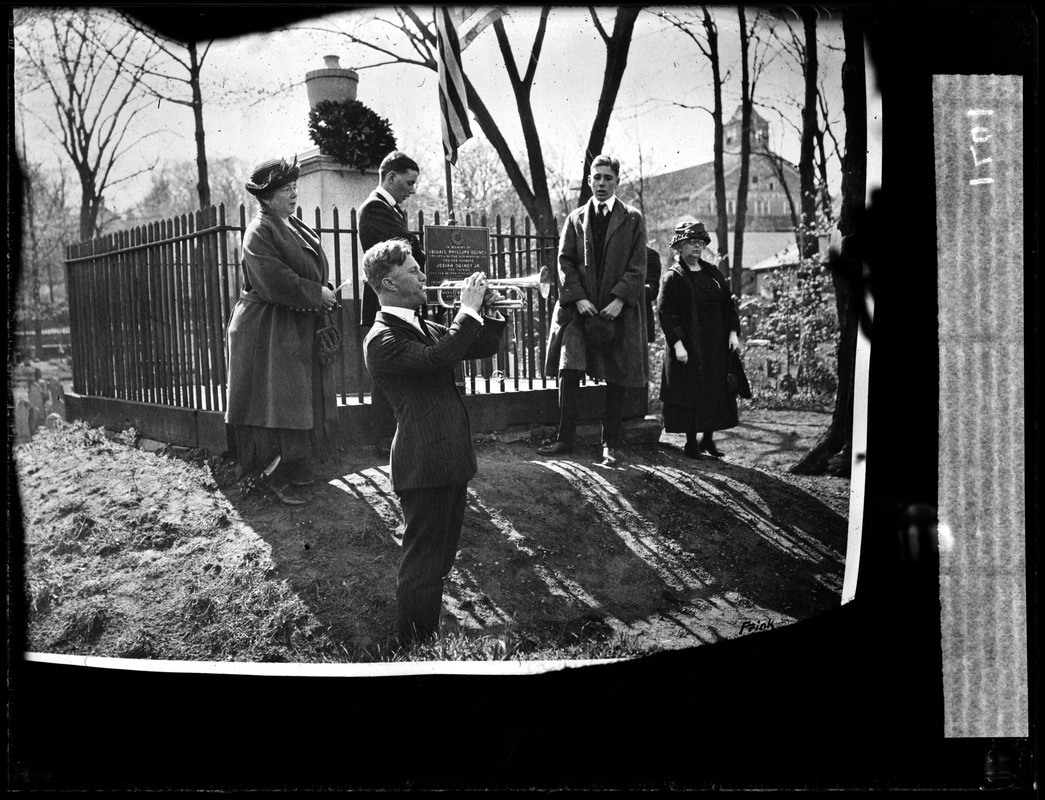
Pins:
x: 449, y: 196
x: 452, y: 96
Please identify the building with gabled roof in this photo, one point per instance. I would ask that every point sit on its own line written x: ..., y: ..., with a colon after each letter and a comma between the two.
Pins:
x: 689, y: 193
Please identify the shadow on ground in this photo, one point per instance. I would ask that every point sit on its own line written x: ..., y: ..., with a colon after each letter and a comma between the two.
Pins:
x: 663, y: 551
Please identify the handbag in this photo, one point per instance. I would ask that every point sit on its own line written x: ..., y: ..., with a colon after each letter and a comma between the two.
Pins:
x: 736, y: 380
x: 328, y: 342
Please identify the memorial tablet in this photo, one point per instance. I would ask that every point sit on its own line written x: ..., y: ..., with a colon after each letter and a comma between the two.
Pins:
x: 454, y: 252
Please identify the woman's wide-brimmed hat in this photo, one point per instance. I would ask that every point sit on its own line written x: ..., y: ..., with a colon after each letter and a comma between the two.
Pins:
x: 685, y: 231
x: 268, y: 176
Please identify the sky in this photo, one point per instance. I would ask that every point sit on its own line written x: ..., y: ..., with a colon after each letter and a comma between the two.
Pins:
x: 664, y: 70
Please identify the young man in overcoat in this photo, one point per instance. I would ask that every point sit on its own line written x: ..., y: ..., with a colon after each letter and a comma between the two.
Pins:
x: 599, y: 321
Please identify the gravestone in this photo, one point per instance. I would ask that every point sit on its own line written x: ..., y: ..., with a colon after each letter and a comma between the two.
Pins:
x: 37, y: 394
x: 22, y: 430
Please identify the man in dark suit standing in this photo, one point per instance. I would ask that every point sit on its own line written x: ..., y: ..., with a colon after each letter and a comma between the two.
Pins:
x: 381, y: 218
x: 412, y: 360
x: 599, y: 322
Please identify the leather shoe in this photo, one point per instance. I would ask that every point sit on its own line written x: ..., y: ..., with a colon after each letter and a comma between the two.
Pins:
x: 555, y: 449
x: 693, y: 452
x: 711, y: 450
x: 285, y: 499
x: 611, y: 456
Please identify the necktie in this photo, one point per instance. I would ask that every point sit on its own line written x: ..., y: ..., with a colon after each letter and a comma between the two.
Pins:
x: 399, y: 210
x: 602, y: 211
x: 424, y: 327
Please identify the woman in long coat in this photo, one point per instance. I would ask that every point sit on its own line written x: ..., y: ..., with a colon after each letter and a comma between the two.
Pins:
x: 701, y: 326
x: 281, y: 400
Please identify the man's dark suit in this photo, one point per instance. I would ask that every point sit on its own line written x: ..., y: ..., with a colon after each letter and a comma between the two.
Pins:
x: 379, y: 221
x: 432, y: 455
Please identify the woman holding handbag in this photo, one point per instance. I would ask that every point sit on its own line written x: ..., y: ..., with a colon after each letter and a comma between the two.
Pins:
x: 281, y: 400
x: 701, y: 326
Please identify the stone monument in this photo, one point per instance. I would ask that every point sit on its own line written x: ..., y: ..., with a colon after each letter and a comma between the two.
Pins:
x: 323, y: 183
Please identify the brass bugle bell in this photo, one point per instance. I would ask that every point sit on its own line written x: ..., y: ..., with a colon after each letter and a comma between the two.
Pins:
x: 516, y: 287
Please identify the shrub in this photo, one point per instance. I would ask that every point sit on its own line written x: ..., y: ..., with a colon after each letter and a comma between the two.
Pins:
x: 800, y: 321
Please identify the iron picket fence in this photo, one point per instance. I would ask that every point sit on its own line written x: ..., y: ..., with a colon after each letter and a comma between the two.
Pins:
x: 149, y: 307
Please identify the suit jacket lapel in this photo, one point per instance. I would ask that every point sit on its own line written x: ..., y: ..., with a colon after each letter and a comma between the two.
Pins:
x: 589, y: 233
x: 617, y: 217
x: 392, y: 321
x: 395, y: 209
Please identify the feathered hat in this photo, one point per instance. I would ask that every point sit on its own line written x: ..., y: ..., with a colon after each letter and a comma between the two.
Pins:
x: 271, y: 175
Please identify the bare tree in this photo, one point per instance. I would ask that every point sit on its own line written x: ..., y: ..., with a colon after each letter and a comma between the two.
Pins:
x: 815, y: 129
x: 824, y: 131
x: 806, y: 174
x: 169, y: 193
x: 832, y: 452
x: 778, y: 166
x: 754, y: 58
x: 708, y: 46
x: 92, y: 97
x: 91, y: 94
x: 180, y: 63
x: 416, y: 46
x: 47, y: 225
x: 617, y: 46
x: 479, y: 185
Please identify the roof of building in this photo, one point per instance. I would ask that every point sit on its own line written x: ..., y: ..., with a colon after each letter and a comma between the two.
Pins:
x: 756, y: 118
x: 788, y: 257
x: 701, y: 178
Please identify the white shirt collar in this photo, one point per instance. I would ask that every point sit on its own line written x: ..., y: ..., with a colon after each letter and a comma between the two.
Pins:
x: 410, y: 315
x: 381, y: 190
x: 609, y: 203
x: 405, y: 314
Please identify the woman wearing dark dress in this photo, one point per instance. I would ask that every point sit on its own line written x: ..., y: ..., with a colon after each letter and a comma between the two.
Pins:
x: 281, y: 400
x: 701, y: 326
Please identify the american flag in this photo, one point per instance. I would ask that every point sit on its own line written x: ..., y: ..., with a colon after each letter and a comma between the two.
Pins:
x: 453, y: 101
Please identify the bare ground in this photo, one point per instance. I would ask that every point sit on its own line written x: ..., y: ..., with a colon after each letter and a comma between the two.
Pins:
x: 138, y: 554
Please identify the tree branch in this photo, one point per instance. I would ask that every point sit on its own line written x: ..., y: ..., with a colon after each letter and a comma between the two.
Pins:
x: 598, y: 25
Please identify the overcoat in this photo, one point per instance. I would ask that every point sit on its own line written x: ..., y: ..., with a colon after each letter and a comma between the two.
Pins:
x: 379, y: 221
x: 687, y: 385
x: 652, y: 290
x: 272, y: 330
x: 623, y: 276
x: 432, y: 445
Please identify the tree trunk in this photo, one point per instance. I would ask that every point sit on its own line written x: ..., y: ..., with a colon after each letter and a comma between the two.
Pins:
x: 536, y: 201
x: 796, y: 223
x: 617, y: 47
x: 825, y: 195
x: 90, y: 205
x: 203, y: 186
x: 722, y: 213
x: 832, y: 453
x: 806, y: 168
x: 745, y: 158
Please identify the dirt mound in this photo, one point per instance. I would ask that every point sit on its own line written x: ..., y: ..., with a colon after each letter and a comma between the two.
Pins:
x: 135, y: 554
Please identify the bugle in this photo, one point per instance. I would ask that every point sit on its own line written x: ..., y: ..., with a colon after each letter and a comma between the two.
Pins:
x: 516, y: 287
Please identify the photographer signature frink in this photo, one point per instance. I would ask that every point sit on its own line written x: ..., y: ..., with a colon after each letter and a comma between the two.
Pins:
x: 747, y: 626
